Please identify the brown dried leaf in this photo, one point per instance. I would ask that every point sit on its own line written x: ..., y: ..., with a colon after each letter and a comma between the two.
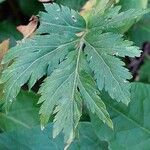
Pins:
x: 44, y: 1
x: 28, y: 30
x: 4, y: 46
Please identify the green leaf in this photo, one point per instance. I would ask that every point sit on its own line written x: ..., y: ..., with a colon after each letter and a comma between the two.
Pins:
x: 30, y: 7
x: 76, y: 5
x: 37, y: 139
x: 114, y: 20
x: 23, y: 113
x: 91, y: 98
x: 102, y: 51
x: 87, y: 139
x: 30, y: 139
x: 2, y: 1
x: 8, y: 31
x: 144, y: 72
x: 64, y: 86
x: 140, y: 32
x: 61, y: 20
x: 131, y: 124
x: 60, y: 49
x: 137, y: 32
x: 64, y: 94
x: 42, y: 53
x: 138, y: 4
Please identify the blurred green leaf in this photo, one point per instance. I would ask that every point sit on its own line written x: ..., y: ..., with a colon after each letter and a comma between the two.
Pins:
x: 87, y: 139
x: 23, y: 113
x: 131, y: 124
x: 132, y: 4
x: 74, y: 4
x: 8, y: 31
x: 140, y: 32
x: 36, y: 139
x: 144, y: 73
x: 30, y: 7
x: 138, y: 4
x: 2, y: 1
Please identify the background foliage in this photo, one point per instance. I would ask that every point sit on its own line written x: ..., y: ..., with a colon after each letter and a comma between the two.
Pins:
x: 20, y: 126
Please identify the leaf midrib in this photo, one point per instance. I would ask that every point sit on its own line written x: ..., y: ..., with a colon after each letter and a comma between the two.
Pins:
x: 75, y: 80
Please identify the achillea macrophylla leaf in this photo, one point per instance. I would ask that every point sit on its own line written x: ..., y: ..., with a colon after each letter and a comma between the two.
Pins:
x: 113, y: 20
x: 60, y: 20
x: 62, y: 45
x: 63, y: 93
x: 91, y: 98
x: 32, y: 57
x: 102, y: 51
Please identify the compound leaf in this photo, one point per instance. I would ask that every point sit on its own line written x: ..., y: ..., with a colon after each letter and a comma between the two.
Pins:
x: 63, y: 93
x: 71, y: 52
